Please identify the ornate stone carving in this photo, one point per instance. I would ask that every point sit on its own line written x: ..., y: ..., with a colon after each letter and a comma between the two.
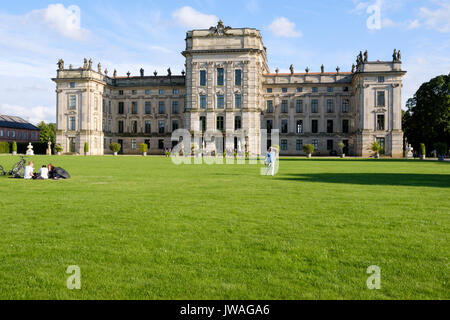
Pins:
x: 90, y: 64
x: 219, y: 30
x: 99, y: 67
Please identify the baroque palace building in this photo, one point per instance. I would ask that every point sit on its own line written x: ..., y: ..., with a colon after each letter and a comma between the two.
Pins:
x: 228, y: 87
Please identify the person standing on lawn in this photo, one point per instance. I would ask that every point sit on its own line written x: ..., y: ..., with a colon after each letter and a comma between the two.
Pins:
x: 270, y: 161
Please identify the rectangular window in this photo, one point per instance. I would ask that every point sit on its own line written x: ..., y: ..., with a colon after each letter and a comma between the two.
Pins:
x: 120, y: 92
x: 203, y: 123
x: 175, y: 91
x: 381, y: 79
x: 380, y: 121
x: 148, y: 107
x: 330, y: 106
x: 72, y: 85
x: 72, y: 102
x: 72, y: 124
x: 220, y: 101
x: 345, y: 126
x: 120, y: 126
x: 314, y: 106
x: 133, y: 144
x: 147, y: 142
x: 284, y: 145
x: 237, y: 123
x: 174, y: 125
x: 382, y: 143
x: 329, y: 126
x: 269, y: 106
x: 160, y: 144
x: 203, y: 101
x: 203, y: 77
x: 133, y: 92
x: 238, y: 77
x: 315, y: 143
x: 314, y: 126
x: 345, y: 106
x: 269, y: 126
x: 161, y: 126
x: 1, y: 133
x: 148, y: 126
x: 109, y: 107
x: 299, y: 144
x: 329, y: 145
x: 174, y: 107
x: 284, y: 106
x: 134, y: 127
x: 238, y: 100
x: 134, y: 108
x: 299, y: 126
x: 161, y: 107
x: 299, y: 89
x: 284, y: 126
x: 147, y: 92
x: 380, y: 99
x: 330, y: 89
x: 284, y: 90
x: 269, y: 90
x: 315, y: 89
x: 220, y: 123
x: 299, y: 106
x: 121, y: 108
x: 161, y: 91
x: 220, y: 77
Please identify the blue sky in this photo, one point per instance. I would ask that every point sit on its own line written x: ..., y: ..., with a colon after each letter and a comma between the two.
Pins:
x: 128, y: 35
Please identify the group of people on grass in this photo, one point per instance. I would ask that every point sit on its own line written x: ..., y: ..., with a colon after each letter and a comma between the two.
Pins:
x: 45, y: 172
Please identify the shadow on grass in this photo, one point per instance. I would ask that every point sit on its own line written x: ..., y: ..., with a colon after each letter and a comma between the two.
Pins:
x: 387, y: 179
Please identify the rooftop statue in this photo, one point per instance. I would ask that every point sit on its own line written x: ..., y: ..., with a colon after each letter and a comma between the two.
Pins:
x: 169, y: 72
x: 394, y: 55
x: 307, y: 69
x: 220, y: 30
x: 322, y: 69
x: 142, y: 72
x: 60, y: 64
x: 99, y: 67
x: 90, y: 64
x: 353, y: 68
x: 338, y: 69
x: 155, y: 73
x: 366, y: 56
x: 85, y: 64
x: 115, y: 73
x: 292, y: 69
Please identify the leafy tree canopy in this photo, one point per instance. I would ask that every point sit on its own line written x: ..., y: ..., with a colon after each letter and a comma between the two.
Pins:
x: 47, y: 132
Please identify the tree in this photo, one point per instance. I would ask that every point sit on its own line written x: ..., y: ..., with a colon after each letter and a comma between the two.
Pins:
x: 47, y: 131
x: 427, y: 119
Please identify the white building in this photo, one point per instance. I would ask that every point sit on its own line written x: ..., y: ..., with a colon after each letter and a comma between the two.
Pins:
x: 228, y: 86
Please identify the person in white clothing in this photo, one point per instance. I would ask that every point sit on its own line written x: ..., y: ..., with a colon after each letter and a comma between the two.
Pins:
x: 29, y: 171
x: 43, y: 172
x: 270, y: 160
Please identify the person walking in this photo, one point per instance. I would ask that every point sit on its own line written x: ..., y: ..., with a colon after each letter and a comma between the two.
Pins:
x: 270, y: 161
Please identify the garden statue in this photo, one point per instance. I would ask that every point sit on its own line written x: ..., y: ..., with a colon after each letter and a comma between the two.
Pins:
x: 409, y: 154
x: 49, y: 148
x: 30, y: 151
x: 60, y: 64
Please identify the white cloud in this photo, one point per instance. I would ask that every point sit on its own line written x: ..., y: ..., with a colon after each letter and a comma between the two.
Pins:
x: 282, y: 27
x: 193, y: 19
x: 32, y: 114
x: 438, y: 19
x: 66, y: 21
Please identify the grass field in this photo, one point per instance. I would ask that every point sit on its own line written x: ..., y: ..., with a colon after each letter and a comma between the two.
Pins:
x: 143, y: 228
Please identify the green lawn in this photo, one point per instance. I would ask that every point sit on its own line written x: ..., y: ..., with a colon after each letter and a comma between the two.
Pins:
x: 144, y: 228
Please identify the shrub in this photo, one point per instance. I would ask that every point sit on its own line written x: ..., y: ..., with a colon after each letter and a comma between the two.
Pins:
x: 441, y: 148
x: 422, y: 149
x: 143, y: 147
x: 115, y: 147
x: 4, y: 147
x: 341, y: 146
x: 14, y: 147
x: 375, y: 147
x: 308, y: 148
x: 86, y: 147
x: 58, y: 148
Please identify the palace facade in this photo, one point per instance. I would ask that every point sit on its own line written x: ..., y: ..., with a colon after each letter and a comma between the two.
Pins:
x: 228, y: 87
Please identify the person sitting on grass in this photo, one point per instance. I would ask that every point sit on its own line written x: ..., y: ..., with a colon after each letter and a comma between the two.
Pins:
x: 28, y: 173
x: 56, y: 173
x: 43, y: 173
